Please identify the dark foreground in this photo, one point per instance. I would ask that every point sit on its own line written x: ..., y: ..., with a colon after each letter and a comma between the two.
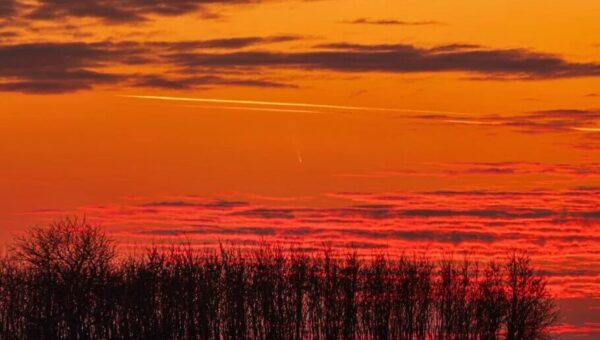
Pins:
x: 64, y: 282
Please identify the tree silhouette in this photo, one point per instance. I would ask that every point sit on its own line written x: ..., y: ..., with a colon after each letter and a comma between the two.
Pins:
x: 66, y: 269
x: 530, y: 311
x: 64, y: 282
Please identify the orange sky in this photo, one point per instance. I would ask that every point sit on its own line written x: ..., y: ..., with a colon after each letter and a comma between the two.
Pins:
x: 378, y: 125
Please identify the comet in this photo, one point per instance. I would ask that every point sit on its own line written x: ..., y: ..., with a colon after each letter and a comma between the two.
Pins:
x: 299, y: 156
x: 297, y: 149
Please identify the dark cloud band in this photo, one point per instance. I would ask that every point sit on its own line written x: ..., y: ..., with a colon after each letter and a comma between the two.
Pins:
x: 344, y: 57
x: 122, y: 11
x: 392, y: 22
x: 66, y: 67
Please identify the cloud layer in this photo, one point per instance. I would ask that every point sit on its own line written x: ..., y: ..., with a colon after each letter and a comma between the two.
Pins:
x: 70, y: 66
x: 125, y: 11
x: 555, y: 226
x: 67, y: 67
x: 401, y: 58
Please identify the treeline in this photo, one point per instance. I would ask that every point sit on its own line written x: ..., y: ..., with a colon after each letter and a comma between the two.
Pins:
x: 65, y: 282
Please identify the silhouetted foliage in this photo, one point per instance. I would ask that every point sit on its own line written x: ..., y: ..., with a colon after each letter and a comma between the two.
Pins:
x: 64, y: 282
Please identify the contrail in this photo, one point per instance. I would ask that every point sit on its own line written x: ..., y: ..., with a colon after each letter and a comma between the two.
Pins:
x: 470, y: 122
x: 587, y: 129
x: 243, y: 108
x: 288, y: 104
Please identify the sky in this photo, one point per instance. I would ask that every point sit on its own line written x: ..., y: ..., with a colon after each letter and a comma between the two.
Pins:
x: 464, y: 127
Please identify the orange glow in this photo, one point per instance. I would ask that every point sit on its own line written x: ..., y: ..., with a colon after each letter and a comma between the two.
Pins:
x: 462, y: 126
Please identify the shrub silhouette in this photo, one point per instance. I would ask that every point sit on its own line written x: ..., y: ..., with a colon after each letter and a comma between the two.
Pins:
x: 64, y: 282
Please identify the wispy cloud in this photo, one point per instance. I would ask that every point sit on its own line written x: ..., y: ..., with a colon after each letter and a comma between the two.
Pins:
x: 565, y: 172
x: 392, y: 22
x: 555, y: 120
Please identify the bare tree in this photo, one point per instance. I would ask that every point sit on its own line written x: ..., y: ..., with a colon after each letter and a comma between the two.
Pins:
x: 67, y: 248
x: 69, y: 262
x: 490, y: 303
x: 531, y: 310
